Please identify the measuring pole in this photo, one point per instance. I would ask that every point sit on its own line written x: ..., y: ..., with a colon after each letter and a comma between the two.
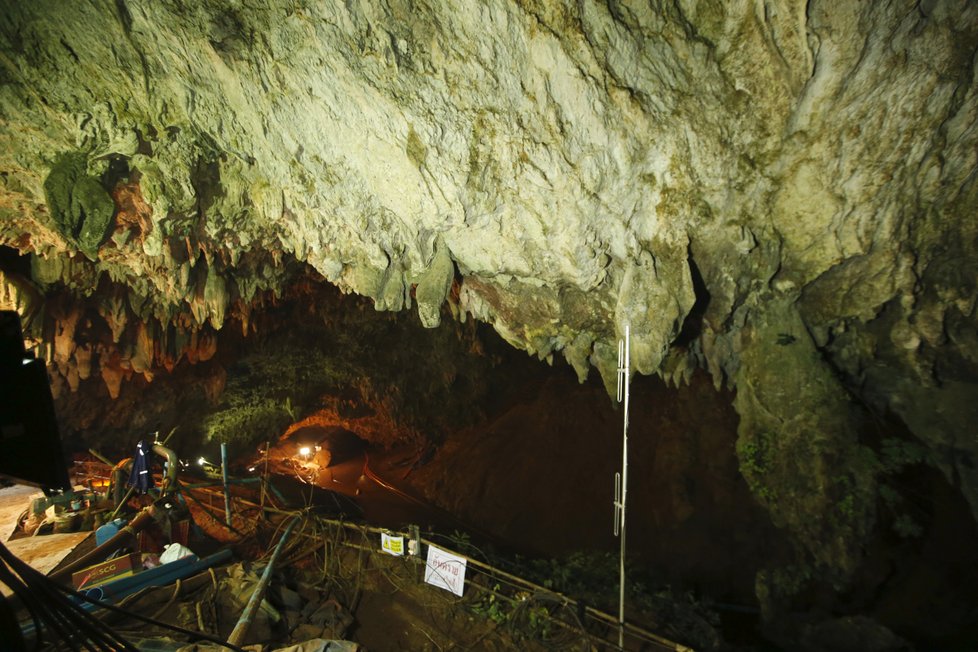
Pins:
x: 621, y: 479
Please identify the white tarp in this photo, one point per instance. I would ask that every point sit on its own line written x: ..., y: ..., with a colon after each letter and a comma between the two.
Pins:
x: 392, y: 545
x: 445, y: 570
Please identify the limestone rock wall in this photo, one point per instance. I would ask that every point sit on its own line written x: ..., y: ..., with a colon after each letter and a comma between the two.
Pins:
x: 783, y: 192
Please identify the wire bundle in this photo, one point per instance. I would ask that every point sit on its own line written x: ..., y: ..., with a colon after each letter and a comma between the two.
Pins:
x: 67, y: 624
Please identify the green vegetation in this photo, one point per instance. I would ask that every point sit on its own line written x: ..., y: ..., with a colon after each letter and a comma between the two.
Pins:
x: 248, y: 423
x: 592, y: 574
x: 906, y: 527
x: 897, y: 454
x: 864, y: 488
x: 268, y: 389
x: 775, y: 586
x: 491, y: 607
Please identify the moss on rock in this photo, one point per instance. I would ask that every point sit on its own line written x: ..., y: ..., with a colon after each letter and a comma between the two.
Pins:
x: 58, y: 189
x: 80, y: 206
x: 93, y: 209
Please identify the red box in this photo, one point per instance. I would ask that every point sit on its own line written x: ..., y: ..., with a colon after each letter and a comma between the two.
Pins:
x: 108, y: 570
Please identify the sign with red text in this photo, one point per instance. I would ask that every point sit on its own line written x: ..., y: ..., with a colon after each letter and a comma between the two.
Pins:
x: 445, y: 570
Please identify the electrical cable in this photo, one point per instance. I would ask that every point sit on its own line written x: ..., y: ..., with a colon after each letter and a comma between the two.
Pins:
x: 35, y: 605
x: 152, y: 621
x: 59, y: 613
x: 75, y: 620
x: 572, y: 633
x: 72, y: 616
x: 61, y: 617
x: 14, y: 583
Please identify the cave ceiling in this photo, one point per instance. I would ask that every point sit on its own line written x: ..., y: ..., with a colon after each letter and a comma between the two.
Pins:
x: 782, y: 193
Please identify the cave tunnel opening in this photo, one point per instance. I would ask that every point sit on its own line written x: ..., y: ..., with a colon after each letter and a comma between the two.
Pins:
x: 499, y: 444
x: 926, y: 541
x: 13, y: 261
x: 338, y: 445
x: 508, y: 443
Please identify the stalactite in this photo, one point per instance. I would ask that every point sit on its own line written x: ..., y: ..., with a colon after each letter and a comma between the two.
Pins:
x: 83, y: 360
x: 114, y: 310
x: 64, y: 340
x: 142, y: 357
x: 112, y: 372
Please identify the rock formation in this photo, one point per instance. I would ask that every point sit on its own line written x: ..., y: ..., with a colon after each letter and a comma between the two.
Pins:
x: 781, y: 192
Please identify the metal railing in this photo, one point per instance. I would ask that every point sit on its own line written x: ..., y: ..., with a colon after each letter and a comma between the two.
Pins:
x: 572, y: 625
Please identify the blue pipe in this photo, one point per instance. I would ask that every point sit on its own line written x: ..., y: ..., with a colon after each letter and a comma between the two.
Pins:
x: 224, y: 472
x: 159, y: 576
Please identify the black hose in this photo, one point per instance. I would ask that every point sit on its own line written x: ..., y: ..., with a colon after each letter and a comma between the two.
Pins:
x: 34, y: 606
x: 146, y: 619
x: 15, y: 584
x: 61, y: 612
x: 62, y: 619
x: 45, y: 603
x: 73, y: 617
x: 58, y: 613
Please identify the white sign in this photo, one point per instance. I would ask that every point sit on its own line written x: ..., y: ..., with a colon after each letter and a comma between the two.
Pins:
x: 445, y: 570
x: 392, y: 545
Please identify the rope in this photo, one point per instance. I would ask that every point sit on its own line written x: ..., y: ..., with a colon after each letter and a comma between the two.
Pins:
x: 176, y: 591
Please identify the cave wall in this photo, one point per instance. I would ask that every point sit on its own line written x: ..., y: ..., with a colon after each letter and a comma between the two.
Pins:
x: 780, y: 192
x: 538, y: 474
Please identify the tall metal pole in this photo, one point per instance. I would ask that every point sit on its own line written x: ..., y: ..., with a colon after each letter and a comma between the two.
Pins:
x: 264, y: 477
x: 621, y: 479
x: 224, y: 473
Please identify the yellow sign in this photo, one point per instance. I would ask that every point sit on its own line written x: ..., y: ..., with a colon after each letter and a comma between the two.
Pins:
x: 392, y: 545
